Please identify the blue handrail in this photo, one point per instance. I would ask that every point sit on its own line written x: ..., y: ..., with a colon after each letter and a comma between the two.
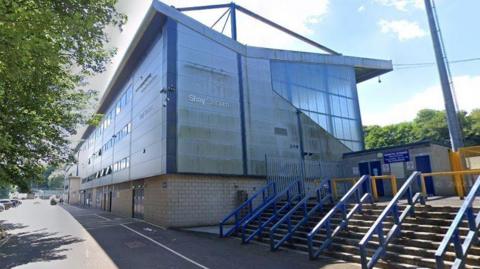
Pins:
x: 293, y: 192
x: 341, y: 206
x: 453, y: 233
x: 393, y: 210
x: 322, y: 197
x: 267, y: 193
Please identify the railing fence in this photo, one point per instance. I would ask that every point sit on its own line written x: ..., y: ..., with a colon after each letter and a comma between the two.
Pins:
x: 284, y: 171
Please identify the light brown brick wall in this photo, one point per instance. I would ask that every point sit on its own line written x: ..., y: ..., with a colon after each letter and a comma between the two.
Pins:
x: 156, y: 200
x: 184, y: 200
x: 194, y: 200
x: 122, y: 199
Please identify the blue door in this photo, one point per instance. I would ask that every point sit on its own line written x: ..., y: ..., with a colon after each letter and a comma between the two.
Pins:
x: 364, y: 169
x: 376, y: 170
x: 423, y: 165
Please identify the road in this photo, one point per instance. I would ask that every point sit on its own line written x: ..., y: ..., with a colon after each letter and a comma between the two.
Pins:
x: 44, y: 236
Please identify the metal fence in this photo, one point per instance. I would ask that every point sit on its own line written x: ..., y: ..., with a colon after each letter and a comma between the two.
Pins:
x: 284, y: 171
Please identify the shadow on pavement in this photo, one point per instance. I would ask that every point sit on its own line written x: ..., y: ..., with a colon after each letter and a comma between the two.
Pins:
x: 35, y: 246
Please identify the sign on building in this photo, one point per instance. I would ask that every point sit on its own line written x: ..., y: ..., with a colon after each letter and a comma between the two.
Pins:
x: 396, y: 156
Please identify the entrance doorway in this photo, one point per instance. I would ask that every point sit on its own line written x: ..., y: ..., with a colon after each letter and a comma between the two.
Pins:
x: 423, y: 165
x: 138, y: 198
x: 373, y: 168
x: 110, y: 194
x: 104, y: 202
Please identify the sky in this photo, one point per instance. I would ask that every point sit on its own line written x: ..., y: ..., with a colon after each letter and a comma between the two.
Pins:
x: 394, y: 30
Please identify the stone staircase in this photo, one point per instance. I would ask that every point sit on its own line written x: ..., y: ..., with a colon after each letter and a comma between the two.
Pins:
x: 414, y: 248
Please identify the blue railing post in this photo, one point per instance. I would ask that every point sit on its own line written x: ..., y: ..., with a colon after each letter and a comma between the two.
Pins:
x: 452, y: 236
x: 301, y: 206
x: 340, y: 207
x: 247, y: 205
x: 390, y: 209
x: 290, y: 198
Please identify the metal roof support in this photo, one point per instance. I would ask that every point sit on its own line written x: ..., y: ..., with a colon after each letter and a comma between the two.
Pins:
x: 233, y: 7
x: 203, y: 7
x: 233, y: 20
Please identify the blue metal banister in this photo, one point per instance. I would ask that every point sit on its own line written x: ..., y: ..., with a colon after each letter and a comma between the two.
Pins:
x: 267, y: 193
x: 452, y: 235
x: 341, y: 206
x: 391, y: 210
x: 294, y: 192
x: 302, y: 206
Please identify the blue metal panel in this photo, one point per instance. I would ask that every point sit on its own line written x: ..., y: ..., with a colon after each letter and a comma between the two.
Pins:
x: 171, y: 96
x: 300, y: 135
x: 242, y: 114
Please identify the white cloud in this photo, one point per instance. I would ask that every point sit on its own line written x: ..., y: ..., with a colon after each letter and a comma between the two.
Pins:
x: 298, y: 16
x: 403, y: 29
x: 466, y: 89
x: 402, y: 5
x: 361, y: 8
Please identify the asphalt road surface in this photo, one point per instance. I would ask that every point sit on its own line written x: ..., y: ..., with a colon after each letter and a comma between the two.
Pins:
x: 45, y: 236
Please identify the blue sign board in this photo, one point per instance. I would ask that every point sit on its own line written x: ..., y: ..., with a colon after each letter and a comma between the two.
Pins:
x: 396, y: 156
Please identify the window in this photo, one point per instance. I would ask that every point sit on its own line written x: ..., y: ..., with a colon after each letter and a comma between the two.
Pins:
x: 325, y: 92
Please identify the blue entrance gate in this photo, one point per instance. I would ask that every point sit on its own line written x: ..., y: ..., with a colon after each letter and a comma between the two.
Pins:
x: 423, y: 165
x: 373, y: 168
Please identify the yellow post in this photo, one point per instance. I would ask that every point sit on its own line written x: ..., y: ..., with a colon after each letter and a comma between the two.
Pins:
x: 424, y: 188
x: 374, y: 189
x: 393, y: 181
x: 334, y: 189
x: 456, y: 165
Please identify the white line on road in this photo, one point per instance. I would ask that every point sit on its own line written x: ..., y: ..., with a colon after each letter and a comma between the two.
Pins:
x: 108, y: 226
x: 165, y: 247
x: 154, y: 225
x: 103, y: 217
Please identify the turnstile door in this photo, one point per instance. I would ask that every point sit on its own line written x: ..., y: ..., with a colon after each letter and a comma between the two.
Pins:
x: 138, y: 199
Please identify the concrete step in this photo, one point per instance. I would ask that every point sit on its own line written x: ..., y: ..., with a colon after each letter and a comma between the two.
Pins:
x: 397, y: 256
x: 397, y: 246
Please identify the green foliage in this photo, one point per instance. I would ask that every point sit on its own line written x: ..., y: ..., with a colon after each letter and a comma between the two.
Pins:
x: 5, y: 190
x: 377, y: 136
x: 428, y: 125
x: 47, y: 48
x: 472, y: 135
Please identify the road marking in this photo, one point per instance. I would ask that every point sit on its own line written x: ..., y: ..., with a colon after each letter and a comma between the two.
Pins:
x: 165, y: 247
x: 108, y: 226
x: 154, y: 225
x: 103, y: 217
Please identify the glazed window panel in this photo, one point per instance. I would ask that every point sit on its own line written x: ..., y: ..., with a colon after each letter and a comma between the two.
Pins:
x: 327, y: 90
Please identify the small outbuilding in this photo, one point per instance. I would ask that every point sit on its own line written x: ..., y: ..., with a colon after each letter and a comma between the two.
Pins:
x: 401, y: 161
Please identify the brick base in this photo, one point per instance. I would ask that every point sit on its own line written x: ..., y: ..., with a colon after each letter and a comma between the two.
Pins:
x: 183, y: 200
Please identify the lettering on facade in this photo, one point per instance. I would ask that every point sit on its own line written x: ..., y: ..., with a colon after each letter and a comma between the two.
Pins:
x: 207, y: 101
x: 396, y: 156
x: 146, y: 112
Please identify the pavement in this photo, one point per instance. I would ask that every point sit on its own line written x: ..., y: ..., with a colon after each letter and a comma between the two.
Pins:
x: 45, y: 236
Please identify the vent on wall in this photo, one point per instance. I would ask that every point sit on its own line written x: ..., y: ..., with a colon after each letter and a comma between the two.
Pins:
x: 281, y: 131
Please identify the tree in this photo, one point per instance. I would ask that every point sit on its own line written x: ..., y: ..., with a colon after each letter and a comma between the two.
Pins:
x: 395, y: 134
x: 428, y: 125
x: 47, y: 49
x: 472, y: 135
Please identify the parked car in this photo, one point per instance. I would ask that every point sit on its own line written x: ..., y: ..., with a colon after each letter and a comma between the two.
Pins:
x: 7, y: 203
x: 2, y: 207
x: 16, y: 202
